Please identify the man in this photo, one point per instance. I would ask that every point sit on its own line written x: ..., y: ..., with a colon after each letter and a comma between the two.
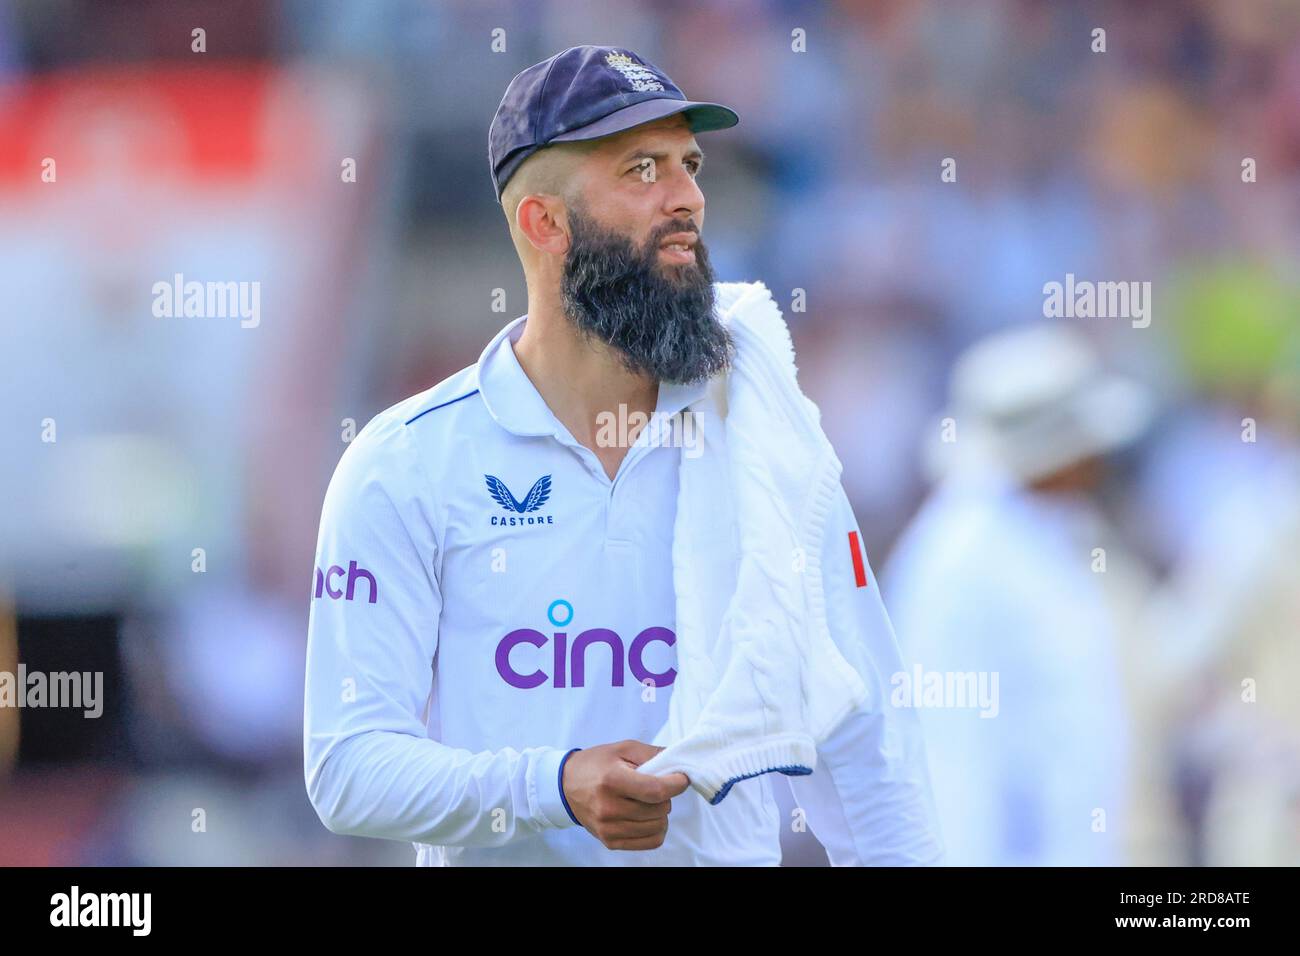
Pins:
x: 491, y: 635
x: 1017, y: 605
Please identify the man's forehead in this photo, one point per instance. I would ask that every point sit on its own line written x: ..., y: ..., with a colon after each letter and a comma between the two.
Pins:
x: 675, y: 126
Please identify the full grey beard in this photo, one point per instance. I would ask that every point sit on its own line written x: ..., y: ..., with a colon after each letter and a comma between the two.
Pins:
x: 659, y: 319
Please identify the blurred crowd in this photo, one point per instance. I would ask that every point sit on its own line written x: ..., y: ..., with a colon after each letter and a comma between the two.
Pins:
x: 1105, y: 515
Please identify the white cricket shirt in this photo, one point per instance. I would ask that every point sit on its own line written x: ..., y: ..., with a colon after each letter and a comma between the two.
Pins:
x: 486, y: 599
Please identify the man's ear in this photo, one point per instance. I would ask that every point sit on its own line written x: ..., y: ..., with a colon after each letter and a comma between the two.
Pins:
x: 540, y: 218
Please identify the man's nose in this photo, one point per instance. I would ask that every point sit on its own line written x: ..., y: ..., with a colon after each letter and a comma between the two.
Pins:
x: 683, y: 198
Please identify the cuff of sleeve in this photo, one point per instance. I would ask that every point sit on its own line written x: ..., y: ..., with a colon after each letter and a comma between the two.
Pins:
x: 552, y: 807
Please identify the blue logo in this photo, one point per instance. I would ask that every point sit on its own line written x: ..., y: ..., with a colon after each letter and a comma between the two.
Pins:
x: 536, y: 497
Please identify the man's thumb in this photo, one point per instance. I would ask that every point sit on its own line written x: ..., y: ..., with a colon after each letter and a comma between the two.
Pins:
x: 675, y: 782
x: 636, y: 752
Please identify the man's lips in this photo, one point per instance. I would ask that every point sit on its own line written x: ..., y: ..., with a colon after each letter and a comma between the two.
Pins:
x: 679, y: 247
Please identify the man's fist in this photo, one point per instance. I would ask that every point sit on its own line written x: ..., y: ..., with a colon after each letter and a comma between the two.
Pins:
x: 623, y: 809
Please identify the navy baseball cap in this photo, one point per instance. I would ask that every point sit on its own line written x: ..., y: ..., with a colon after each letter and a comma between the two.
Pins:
x: 584, y: 93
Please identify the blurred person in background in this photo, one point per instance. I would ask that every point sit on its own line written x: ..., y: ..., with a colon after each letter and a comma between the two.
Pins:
x: 1224, y: 486
x: 998, y: 576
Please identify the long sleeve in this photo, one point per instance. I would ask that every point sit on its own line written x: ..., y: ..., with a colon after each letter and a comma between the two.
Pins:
x: 869, y: 800
x: 371, y: 768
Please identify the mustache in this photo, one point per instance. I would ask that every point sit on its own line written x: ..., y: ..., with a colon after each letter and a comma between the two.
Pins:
x: 669, y: 228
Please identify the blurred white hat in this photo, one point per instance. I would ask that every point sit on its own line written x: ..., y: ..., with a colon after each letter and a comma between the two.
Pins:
x: 1034, y: 399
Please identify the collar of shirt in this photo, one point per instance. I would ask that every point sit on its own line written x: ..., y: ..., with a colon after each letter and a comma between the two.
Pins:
x: 517, y: 406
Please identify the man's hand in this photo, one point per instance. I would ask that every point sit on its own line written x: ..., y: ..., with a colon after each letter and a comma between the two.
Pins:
x: 623, y: 809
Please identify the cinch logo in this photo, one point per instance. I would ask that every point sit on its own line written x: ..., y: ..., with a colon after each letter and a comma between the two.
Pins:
x: 569, y: 664
x: 325, y: 580
x: 535, y: 498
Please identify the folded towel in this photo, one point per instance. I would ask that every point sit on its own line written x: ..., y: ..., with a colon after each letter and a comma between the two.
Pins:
x: 760, y: 681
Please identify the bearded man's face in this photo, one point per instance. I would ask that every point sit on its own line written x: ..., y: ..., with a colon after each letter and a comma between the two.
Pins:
x: 657, y: 312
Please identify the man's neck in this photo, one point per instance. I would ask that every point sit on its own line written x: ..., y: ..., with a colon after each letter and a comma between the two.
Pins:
x: 579, y: 379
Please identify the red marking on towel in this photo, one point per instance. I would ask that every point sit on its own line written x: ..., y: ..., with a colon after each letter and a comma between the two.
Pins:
x: 859, y: 569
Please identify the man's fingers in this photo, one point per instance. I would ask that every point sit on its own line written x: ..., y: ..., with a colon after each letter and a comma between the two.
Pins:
x: 677, y: 783
x: 651, y: 788
x: 629, y: 808
x: 645, y: 843
x: 637, y: 752
x: 633, y: 830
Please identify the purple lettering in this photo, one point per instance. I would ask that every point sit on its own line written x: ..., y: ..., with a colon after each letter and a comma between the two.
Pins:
x: 355, y: 572
x: 325, y: 582
x: 574, y: 674
x: 634, y: 661
x: 586, y: 639
x: 561, y: 641
x: 523, y: 635
x: 329, y: 574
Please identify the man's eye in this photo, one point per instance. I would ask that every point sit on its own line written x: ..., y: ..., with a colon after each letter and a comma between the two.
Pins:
x: 646, y: 166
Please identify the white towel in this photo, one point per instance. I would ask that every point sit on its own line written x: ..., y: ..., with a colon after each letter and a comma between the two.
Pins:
x: 760, y: 681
